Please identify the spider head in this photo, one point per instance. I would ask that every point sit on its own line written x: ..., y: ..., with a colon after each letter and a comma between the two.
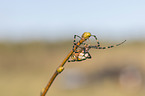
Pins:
x: 86, y: 35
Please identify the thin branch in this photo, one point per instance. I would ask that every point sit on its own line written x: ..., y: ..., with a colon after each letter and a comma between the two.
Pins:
x: 44, y: 91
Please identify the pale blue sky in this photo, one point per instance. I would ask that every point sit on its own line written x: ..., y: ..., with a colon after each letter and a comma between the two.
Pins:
x: 57, y: 19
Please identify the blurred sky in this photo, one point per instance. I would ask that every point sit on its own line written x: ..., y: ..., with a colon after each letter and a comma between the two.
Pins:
x: 58, y: 19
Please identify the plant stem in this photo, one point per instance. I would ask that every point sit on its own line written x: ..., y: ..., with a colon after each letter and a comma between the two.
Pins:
x: 61, y: 65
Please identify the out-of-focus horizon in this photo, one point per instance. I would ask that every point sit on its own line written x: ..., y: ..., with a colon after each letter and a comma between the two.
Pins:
x: 52, y: 20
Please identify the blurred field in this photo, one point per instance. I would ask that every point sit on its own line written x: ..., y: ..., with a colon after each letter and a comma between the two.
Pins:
x: 25, y: 69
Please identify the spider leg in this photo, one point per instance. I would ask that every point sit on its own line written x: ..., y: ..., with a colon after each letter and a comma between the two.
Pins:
x: 107, y: 46
x: 75, y: 39
x: 98, y: 44
x: 74, y: 42
x: 71, y: 60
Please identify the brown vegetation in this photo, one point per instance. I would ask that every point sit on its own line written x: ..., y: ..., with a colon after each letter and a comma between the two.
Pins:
x: 25, y: 68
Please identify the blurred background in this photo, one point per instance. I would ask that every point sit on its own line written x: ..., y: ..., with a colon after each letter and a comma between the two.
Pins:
x: 35, y: 37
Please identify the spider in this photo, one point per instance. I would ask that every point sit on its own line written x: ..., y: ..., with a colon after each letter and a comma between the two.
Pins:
x: 83, y: 52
